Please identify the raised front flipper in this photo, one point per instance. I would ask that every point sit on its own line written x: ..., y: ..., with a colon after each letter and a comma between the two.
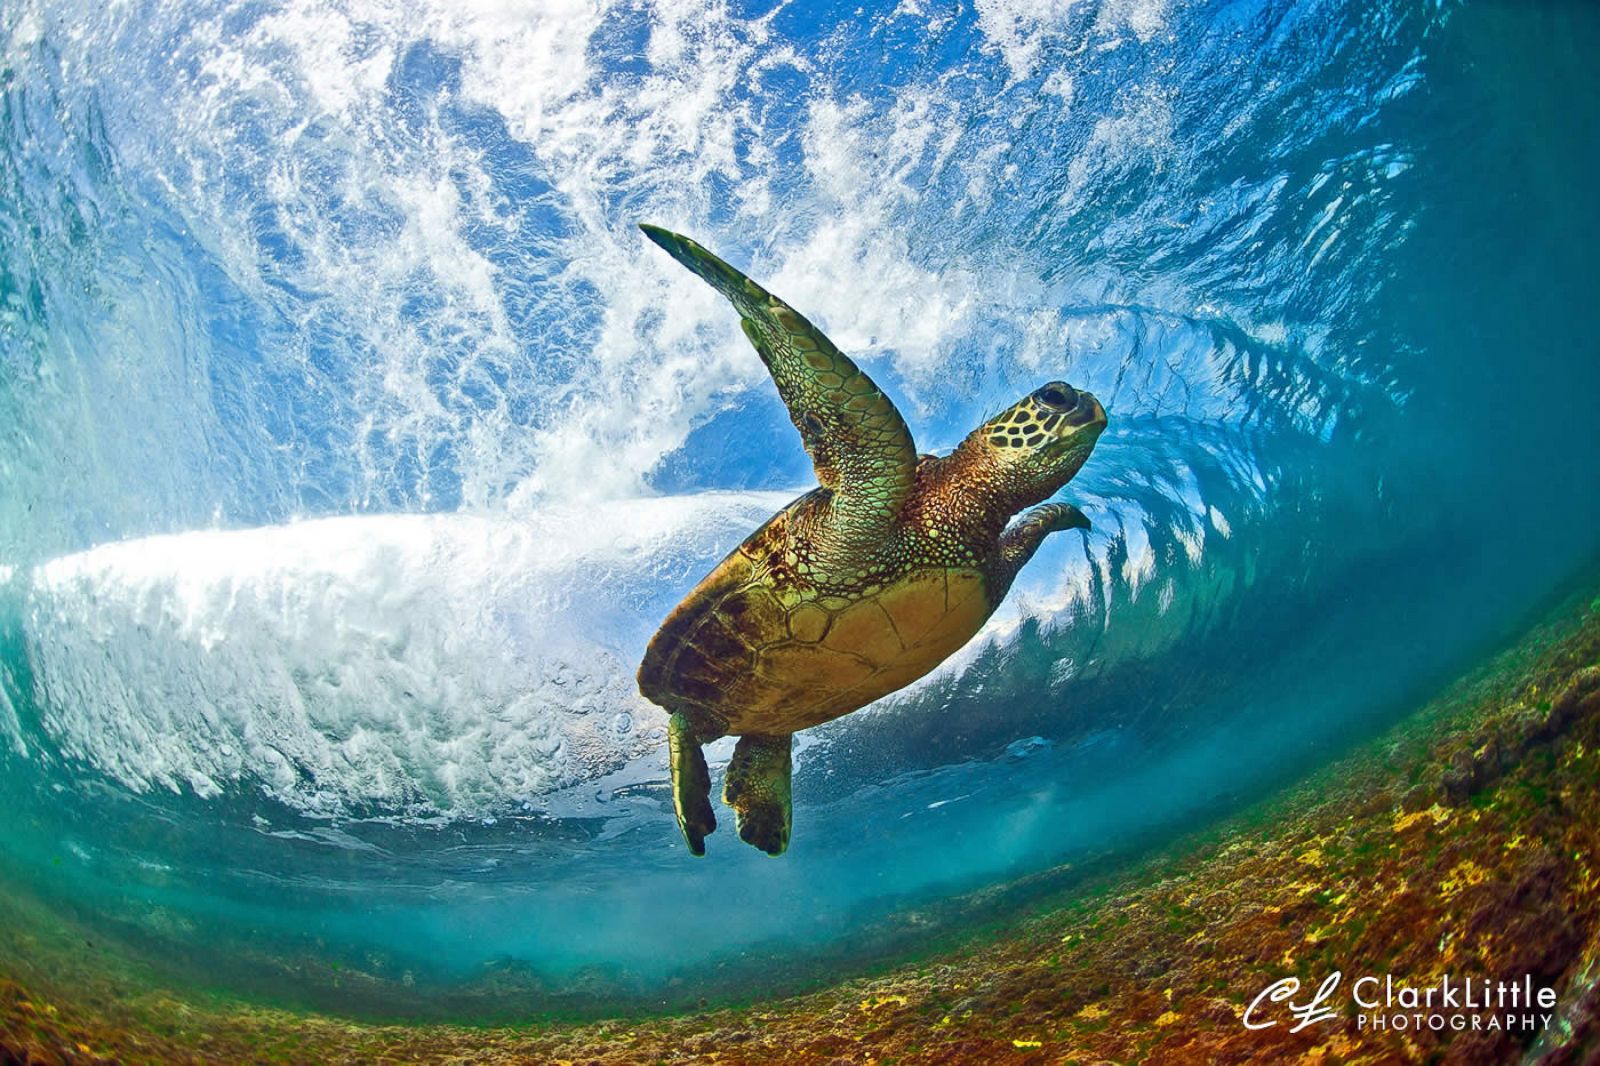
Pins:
x: 1018, y: 543
x: 859, y: 444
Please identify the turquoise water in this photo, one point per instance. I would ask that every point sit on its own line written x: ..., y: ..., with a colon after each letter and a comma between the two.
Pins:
x: 354, y: 442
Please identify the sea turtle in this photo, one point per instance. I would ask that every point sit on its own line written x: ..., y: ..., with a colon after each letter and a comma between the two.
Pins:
x: 860, y: 586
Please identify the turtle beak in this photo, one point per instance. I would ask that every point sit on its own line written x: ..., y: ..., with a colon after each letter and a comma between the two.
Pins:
x: 1087, y: 412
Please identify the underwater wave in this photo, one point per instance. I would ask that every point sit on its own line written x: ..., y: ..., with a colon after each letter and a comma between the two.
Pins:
x: 445, y: 663
x: 354, y: 442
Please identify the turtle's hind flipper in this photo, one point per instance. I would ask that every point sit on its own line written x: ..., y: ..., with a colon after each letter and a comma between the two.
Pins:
x: 757, y: 788
x: 691, y: 785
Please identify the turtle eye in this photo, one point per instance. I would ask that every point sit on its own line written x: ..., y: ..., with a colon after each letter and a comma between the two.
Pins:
x: 1057, y: 396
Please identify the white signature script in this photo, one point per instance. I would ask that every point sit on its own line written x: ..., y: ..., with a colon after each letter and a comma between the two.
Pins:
x: 1311, y: 1011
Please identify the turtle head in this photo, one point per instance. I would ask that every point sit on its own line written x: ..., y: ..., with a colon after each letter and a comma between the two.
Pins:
x: 1035, y: 446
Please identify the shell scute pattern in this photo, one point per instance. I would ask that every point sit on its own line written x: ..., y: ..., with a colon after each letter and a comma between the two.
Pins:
x: 865, y: 626
x: 808, y: 622
x: 753, y: 616
x: 765, y: 621
x: 853, y: 650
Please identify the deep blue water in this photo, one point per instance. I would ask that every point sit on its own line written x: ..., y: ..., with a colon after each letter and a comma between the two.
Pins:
x: 353, y: 441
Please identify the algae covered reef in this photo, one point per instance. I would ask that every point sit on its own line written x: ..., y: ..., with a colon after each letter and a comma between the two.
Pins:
x: 1461, y: 842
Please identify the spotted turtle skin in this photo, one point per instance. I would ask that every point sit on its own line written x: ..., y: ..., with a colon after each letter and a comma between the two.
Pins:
x: 859, y: 587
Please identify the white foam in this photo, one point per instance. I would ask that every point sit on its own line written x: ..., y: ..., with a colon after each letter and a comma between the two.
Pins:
x: 10, y: 721
x: 1143, y: 18
x: 338, y: 160
x: 1021, y: 30
x: 445, y: 663
x: 853, y: 268
x: 1139, y: 133
x: 373, y: 216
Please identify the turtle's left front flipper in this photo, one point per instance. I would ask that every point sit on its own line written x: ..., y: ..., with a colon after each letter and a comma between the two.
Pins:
x: 1018, y: 543
x: 757, y: 788
x: 860, y: 446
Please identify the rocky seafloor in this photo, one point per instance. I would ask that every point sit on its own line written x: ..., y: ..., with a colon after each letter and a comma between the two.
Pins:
x: 1462, y: 841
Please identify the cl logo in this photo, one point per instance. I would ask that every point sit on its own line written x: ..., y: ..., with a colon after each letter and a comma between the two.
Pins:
x: 1309, y: 1012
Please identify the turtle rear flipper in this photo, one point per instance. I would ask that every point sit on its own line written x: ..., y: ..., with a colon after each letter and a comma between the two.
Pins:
x: 691, y: 784
x: 757, y: 788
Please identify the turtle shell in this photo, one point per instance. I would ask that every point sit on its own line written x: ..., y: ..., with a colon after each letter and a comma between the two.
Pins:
x: 765, y: 649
